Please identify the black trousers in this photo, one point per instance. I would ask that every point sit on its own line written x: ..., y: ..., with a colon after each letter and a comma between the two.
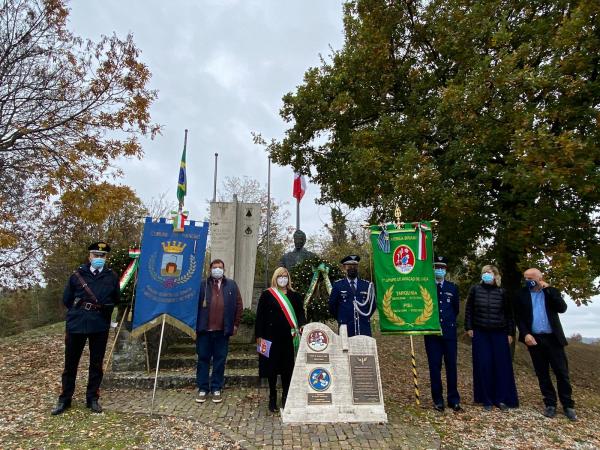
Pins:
x: 286, y: 378
x: 74, y: 345
x: 548, y: 353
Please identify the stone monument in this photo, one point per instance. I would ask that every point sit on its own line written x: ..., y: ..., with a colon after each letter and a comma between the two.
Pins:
x: 299, y: 254
x: 234, y: 239
x: 336, y: 379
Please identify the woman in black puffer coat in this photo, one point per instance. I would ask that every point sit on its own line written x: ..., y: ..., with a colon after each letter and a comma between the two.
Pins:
x: 489, y: 322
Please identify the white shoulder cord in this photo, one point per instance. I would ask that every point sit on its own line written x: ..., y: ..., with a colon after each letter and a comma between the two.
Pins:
x: 357, y: 305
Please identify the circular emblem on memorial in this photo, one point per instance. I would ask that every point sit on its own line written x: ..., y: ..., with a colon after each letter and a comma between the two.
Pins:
x: 317, y: 340
x: 319, y: 379
x: 404, y: 259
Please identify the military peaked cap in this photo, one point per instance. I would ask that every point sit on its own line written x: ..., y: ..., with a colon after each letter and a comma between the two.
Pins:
x: 350, y: 259
x: 99, y: 247
x: 441, y: 260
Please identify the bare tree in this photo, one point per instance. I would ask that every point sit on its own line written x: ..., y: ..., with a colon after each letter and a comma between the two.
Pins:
x: 61, y: 101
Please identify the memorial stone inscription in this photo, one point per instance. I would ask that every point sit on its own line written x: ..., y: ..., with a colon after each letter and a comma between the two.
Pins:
x: 336, y: 379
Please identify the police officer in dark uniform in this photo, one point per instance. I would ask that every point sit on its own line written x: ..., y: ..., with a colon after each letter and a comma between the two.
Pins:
x: 90, y: 296
x: 352, y: 300
x: 444, y: 346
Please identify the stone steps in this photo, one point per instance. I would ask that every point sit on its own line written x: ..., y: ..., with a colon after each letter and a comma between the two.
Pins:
x: 190, y: 349
x: 234, y: 361
x: 170, y: 379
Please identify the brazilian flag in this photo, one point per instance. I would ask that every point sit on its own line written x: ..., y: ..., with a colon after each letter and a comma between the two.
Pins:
x: 182, y: 182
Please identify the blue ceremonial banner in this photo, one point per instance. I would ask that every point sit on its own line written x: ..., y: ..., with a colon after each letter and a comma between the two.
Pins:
x: 169, y: 276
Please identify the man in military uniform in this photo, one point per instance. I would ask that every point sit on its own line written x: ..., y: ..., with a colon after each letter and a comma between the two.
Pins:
x: 90, y: 296
x: 352, y: 300
x: 444, y: 346
x: 299, y: 254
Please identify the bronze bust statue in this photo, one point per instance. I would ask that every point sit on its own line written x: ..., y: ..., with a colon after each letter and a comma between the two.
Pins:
x: 299, y: 254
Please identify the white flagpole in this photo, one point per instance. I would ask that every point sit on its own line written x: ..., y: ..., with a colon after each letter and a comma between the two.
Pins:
x: 162, y: 332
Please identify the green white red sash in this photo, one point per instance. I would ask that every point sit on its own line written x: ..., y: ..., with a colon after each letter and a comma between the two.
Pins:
x: 289, y: 313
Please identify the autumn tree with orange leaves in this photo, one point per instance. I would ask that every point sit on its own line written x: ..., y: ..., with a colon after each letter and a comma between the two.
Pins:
x: 68, y: 108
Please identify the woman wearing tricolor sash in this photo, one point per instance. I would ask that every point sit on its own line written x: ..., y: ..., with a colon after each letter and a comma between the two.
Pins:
x: 279, y: 318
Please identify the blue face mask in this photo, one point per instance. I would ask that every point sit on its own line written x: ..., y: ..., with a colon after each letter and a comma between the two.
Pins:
x: 531, y: 284
x: 439, y: 273
x: 487, y: 278
x: 98, y: 263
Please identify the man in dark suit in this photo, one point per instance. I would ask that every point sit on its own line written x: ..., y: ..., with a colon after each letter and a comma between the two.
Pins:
x: 538, y: 307
x: 351, y: 301
x: 445, y: 346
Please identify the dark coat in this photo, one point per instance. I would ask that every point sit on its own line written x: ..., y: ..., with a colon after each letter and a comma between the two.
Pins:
x: 341, y: 305
x: 105, y: 287
x: 272, y: 325
x: 555, y: 305
x: 449, y: 304
x: 231, y: 305
x: 489, y: 309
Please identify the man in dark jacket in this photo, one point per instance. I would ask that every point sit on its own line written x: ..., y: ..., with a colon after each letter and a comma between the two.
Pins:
x: 538, y: 307
x: 90, y: 296
x: 219, y: 315
x: 445, y: 346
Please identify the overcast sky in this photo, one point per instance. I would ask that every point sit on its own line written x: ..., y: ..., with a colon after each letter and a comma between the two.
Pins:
x: 221, y: 68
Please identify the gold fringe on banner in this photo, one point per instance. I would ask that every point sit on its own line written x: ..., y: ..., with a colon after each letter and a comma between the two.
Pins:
x: 158, y: 321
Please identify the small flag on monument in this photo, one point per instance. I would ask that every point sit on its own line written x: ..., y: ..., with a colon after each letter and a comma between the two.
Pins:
x: 299, y: 186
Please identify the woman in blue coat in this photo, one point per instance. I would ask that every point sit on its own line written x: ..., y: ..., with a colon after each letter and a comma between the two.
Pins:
x: 489, y: 322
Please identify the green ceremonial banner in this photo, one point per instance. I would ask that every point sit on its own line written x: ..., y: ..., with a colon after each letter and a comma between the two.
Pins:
x: 406, y: 291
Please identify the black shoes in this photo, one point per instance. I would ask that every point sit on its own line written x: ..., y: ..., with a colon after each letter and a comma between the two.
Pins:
x: 549, y: 411
x: 273, y: 405
x: 488, y: 407
x: 456, y: 408
x: 94, y: 406
x: 503, y: 407
x: 439, y: 407
x: 60, y: 408
x: 570, y: 413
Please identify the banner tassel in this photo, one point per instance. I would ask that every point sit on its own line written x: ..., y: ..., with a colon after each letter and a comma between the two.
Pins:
x: 414, y: 371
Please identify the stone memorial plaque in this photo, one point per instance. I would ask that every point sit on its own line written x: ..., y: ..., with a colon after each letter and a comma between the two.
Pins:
x: 317, y: 358
x: 319, y: 398
x: 363, y: 374
x: 341, y: 384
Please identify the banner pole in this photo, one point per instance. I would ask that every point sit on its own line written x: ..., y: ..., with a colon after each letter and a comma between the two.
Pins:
x: 414, y: 371
x: 112, y: 348
x: 162, y: 332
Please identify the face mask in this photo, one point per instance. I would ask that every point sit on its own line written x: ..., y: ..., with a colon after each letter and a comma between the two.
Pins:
x: 439, y: 273
x: 216, y: 272
x: 487, y: 278
x: 531, y: 284
x: 352, y: 273
x: 98, y: 263
x: 282, y: 281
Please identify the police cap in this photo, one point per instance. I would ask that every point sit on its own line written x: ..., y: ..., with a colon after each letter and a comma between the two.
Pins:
x: 99, y: 247
x: 440, y: 261
x: 350, y: 259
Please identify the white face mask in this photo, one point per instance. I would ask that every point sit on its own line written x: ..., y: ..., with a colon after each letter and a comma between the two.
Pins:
x: 216, y: 272
x: 282, y: 281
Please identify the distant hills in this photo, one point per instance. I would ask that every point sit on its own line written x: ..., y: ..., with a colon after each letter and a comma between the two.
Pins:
x: 590, y: 340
